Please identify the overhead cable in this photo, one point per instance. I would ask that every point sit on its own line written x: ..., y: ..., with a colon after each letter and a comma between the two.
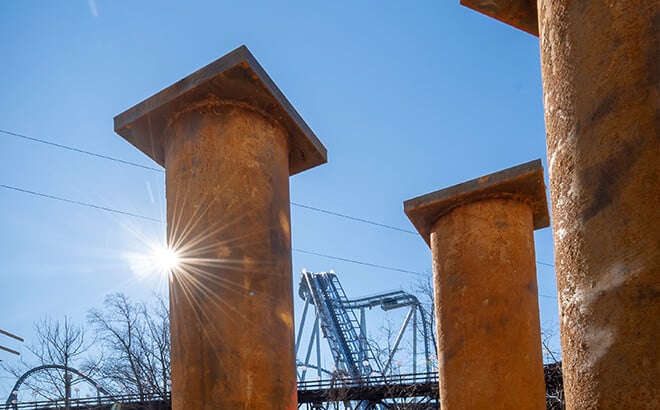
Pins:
x: 373, y: 265
x: 118, y: 160
x: 104, y: 208
x: 87, y: 204
x: 134, y: 164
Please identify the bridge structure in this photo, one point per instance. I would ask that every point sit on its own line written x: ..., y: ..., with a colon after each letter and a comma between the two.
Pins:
x: 362, y: 378
x: 335, y: 319
x: 401, y: 392
x: 357, y: 379
x: 409, y: 391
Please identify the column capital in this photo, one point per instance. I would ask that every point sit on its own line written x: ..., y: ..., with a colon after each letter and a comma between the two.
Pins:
x: 521, y: 14
x: 523, y: 182
x: 236, y: 77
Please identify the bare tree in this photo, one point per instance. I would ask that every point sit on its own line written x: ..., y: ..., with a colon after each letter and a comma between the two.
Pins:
x: 61, y: 356
x: 136, y: 345
x: 423, y: 289
x: 156, y: 343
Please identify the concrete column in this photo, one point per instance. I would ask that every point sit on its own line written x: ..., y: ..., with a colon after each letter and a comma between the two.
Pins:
x: 601, y: 79
x: 601, y: 75
x: 229, y: 140
x: 484, y: 273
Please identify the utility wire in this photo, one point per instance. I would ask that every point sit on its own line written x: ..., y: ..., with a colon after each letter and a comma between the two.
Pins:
x: 103, y: 208
x: 373, y: 265
x: 81, y: 151
x: 94, y: 154
x: 353, y: 218
x: 545, y: 264
x: 71, y: 201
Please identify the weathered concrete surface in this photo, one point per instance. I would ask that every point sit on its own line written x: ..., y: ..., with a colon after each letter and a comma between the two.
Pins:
x: 227, y: 160
x: 232, y: 317
x: 520, y: 14
x: 601, y: 73
x: 489, y: 343
x: 524, y: 181
x: 237, y: 77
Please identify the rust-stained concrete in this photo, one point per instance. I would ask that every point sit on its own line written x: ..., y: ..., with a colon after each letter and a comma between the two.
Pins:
x: 481, y: 237
x: 229, y: 141
x: 601, y: 79
x: 520, y: 14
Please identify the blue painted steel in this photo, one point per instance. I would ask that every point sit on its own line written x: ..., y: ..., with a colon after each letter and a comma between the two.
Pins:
x: 14, y: 392
x: 340, y: 327
x: 347, y: 338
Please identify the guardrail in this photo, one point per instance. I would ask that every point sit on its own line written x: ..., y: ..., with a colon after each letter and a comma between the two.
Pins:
x: 135, y: 400
x: 128, y: 400
x: 379, y: 380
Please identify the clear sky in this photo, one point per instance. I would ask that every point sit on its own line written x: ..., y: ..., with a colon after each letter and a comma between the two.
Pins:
x: 408, y: 98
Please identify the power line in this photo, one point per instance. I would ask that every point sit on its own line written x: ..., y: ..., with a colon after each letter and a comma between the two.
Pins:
x: 134, y: 164
x: 87, y: 204
x: 373, y: 265
x: 545, y: 264
x: 80, y: 151
x: 103, y: 208
x: 353, y: 218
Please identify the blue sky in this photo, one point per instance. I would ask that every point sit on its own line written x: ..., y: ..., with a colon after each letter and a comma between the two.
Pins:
x: 408, y: 98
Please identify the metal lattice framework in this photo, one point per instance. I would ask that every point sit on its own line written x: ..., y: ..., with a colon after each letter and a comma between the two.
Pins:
x: 336, y: 320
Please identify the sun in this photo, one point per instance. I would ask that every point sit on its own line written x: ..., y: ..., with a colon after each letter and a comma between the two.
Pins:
x: 166, y: 259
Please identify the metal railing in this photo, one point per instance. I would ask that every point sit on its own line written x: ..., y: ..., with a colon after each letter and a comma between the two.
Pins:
x: 91, y: 402
x: 128, y: 400
x: 340, y: 381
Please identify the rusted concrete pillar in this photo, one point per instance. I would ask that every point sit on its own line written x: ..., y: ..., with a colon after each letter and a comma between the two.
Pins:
x: 601, y: 76
x: 228, y: 140
x: 484, y: 273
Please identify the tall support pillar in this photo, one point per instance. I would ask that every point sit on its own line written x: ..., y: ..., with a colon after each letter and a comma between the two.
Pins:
x: 229, y: 140
x: 484, y: 273
x: 601, y: 80
x: 601, y: 73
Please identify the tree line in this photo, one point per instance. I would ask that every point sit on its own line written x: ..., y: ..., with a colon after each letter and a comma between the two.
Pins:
x: 126, y: 352
x: 125, y: 348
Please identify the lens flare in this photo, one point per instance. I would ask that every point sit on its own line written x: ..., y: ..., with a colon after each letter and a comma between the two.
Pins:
x: 166, y: 259
x: 155, y: 261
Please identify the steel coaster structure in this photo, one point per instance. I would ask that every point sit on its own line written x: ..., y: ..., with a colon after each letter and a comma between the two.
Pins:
x: 358, y: 380
x: 403, y: 391
x: 12, y: 400
x: 336, y: 320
